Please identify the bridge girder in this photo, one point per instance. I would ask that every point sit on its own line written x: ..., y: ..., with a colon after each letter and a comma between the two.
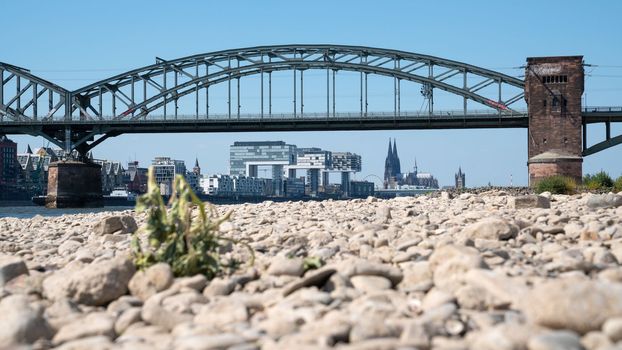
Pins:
x: 33, y: 91
x: 199, y: 72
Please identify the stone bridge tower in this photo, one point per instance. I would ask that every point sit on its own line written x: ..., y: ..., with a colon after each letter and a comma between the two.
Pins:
x: 553, y: 90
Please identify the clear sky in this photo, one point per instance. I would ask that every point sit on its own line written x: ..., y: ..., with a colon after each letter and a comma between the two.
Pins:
x: 74, y: 43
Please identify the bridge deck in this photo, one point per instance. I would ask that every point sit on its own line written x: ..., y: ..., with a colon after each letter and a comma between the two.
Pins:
x: 290, y: 122
x: 280, y: 122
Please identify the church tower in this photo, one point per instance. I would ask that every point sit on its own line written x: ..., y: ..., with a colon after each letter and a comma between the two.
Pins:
x: 388, y: 167
x: 397, y: 169
x: 460, y: 184
x: 197, y: 168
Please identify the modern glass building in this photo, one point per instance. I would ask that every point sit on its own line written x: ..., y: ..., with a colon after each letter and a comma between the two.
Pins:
x: 245, y: 157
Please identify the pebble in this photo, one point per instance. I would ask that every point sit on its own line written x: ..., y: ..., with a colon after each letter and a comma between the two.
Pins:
x: 479, y: 270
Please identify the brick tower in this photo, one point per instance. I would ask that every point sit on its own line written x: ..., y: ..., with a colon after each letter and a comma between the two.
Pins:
x: 553, y: 90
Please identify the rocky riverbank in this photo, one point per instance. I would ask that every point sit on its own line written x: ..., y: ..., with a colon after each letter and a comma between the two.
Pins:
x: 478, y: 271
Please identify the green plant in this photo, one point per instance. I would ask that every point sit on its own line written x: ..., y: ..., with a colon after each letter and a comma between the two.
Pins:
x: 617, y: 185
x: 188, y: 243
x: 556, y: 185
x: 312, y: 263
x: 598, y: 181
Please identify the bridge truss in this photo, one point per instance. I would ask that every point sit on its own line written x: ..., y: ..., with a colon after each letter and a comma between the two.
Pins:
x: 147, y: 99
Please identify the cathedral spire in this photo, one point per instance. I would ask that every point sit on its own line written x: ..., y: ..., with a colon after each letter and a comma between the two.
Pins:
x: 396, y: 159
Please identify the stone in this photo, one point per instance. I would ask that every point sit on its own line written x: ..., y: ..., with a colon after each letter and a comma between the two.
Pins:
x: 219, y: 286
x: 365, y: 267
x: 372, y: 327
x: 21, y: 323
x: 491, y: 228
x: 505, y: 336
x: 369, y: 284
x: 222, y: 312
x: 596, y: 340
x: 94, y: 324
x: 450, y: 263
x: 383, y: 213
x: 417, y: 276
x: 108, y: 225
x: 311, y: 278
x: 530, y: 201
x: 574, y: 304
x: 613, y: 328
x: 210, y: 341
x: 126, y: 319
x: 435, y: 298
x: 69, y: 247
x: 505, y: 291
x: 414, y: 334
x: 283, y: 266
x: 91, y: 343
x: 150, y: 281
x: 94, y: 284
x: 129, y: 224
x: 11, y: 267
x: 609, y: 200
x: 555, y: 340
x: 156, y: 314
x: 183, y: 302
x: 196, y: 282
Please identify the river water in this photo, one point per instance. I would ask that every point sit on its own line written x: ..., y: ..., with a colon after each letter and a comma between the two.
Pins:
x: 30, y: 211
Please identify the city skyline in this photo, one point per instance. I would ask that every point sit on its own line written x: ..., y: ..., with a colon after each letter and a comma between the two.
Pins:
x: 488, y: 156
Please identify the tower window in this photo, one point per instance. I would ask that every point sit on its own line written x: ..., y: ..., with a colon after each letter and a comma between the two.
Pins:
x: 554, y: 79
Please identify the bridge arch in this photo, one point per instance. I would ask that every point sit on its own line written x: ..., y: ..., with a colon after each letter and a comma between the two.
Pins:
x: 198, y: 72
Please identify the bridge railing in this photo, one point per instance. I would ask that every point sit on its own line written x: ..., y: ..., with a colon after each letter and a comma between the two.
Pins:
x: 588, y: 109
x: 453, y: 114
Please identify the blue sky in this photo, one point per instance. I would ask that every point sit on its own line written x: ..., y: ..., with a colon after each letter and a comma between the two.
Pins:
x: 73, y: 43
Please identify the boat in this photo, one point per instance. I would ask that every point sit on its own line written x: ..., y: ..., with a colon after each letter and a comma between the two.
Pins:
x: 120, y: 197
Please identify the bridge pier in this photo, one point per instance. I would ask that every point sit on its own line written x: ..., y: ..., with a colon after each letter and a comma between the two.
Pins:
x: 73, y: 184
x: 553, y: 89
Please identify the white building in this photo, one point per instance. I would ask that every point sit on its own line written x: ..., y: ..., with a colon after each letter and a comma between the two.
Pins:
x: 226, y: 185
x: 165, y: 169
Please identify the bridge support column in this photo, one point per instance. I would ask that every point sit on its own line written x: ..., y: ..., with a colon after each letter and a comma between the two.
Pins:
x: 74, y: 184
x: 553, y: 89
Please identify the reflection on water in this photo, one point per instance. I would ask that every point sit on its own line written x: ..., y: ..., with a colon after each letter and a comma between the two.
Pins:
x: 30, y: 211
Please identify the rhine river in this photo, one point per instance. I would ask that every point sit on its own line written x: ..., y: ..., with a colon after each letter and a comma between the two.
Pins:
x: 25, y: 212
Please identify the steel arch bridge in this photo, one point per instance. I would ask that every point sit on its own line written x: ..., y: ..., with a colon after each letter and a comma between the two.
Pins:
x: 140, y: 100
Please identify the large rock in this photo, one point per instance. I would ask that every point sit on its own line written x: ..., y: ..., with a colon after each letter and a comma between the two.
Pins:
x: 21, y: 323
x: 609, y: 200
x: 112, y: 224
x: 575, y: 304
x: 150, y: 281
x: 491, y: 228
x: 93, y: 284
x: 11, y: 267
x: 529, y: 201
